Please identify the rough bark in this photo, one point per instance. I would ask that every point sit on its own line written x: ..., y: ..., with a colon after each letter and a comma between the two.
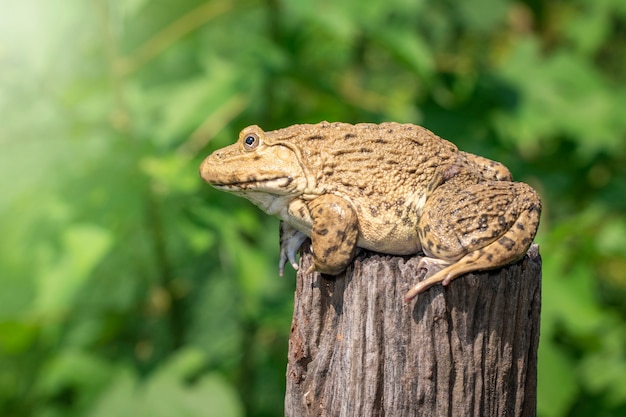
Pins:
x: 468, y: 349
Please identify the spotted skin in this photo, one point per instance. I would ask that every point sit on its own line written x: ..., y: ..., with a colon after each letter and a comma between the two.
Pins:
x: 391, y: 188
x: 475, y: 227
x: 334, y: 234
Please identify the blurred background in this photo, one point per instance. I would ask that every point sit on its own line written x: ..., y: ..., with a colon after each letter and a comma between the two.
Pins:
x: 130, y: 288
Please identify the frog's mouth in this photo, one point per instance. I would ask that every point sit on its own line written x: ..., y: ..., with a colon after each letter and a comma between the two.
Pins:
x: 273, y: 185
x: 271, y: 195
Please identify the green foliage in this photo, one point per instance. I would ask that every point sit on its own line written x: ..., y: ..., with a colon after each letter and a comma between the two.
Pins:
x: 130, y: 288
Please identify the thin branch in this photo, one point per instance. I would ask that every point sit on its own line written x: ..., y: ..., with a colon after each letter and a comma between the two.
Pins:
x: 172, y: 33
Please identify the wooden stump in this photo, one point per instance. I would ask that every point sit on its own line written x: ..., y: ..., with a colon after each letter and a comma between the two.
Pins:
x: 468, y: 349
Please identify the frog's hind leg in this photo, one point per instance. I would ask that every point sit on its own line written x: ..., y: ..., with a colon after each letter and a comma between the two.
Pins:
x: 481, y: 259
x: 485, y: 242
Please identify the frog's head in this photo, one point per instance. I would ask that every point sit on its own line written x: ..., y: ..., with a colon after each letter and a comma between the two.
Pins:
x: 262, y: 169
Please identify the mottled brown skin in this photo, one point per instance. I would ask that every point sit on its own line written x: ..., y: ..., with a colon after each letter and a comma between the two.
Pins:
x: 391, y: 188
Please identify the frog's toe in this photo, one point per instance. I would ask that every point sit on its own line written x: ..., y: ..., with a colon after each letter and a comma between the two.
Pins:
x: 290, y: 242
x: 442, y: 276
x: 432, y: 265
x: 284, y: 257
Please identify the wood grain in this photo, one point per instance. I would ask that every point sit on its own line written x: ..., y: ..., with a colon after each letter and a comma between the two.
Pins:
x: 468, y: 349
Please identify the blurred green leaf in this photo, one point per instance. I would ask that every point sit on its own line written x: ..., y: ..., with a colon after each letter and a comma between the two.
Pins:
x: 603, y: 372
x: 483, y: 15
x: 77, y: 370
x: 16, y: 337
x: 83, y: 246
x: 168, y: 394
x: 560, y: 94
x: 119, y: 398
x: 555, y: 382
x: 409, y: 49
x: 171, y: 173
x: 187, y: 104
x: 611, y: 238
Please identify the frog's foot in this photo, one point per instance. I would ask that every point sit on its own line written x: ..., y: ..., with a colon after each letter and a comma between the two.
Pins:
x: 290, y: 241
x: 433, y: 267
x: 474, y: 261
x: 443, y: 275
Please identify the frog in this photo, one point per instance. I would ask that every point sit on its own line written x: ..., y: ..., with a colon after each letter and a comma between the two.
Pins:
x: 392, y: 188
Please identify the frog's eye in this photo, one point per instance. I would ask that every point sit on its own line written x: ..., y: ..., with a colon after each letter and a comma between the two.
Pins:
x: 250, y: 142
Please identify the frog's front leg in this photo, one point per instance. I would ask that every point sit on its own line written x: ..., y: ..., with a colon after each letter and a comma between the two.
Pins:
x: 476, y: 227
x: 334, y: 234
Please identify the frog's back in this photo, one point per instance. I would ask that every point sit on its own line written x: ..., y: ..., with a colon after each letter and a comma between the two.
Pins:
x: 365, y: 160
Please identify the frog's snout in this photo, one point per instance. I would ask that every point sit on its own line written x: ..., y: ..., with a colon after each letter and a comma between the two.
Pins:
x: 205, y: 169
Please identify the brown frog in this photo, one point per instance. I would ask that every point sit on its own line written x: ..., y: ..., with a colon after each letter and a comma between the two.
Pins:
x: 392, y: 188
